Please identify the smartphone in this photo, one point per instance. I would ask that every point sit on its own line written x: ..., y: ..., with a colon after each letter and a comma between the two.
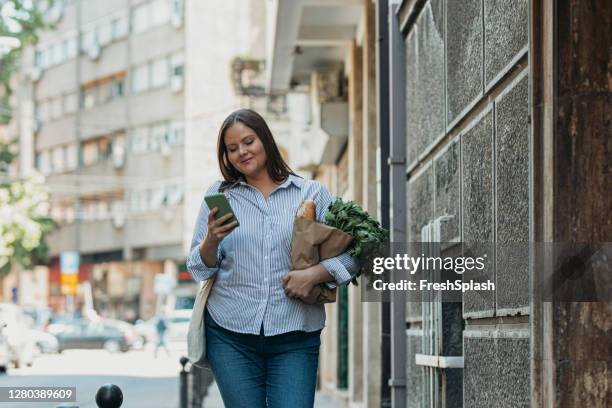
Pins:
x: 219, y: 200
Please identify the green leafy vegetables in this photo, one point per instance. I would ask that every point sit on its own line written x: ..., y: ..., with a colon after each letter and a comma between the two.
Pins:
x: 365, y: 230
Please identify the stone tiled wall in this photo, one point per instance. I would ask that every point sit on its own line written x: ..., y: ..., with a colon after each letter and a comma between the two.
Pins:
x: 467, y: 132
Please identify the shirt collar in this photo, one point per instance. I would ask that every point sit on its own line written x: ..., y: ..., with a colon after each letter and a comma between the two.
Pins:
x: 297, y: 181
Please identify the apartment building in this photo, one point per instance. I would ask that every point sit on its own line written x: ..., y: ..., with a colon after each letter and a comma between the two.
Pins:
x: 119, y: 107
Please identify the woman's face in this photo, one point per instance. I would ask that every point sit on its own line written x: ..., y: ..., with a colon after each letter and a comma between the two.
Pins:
x: 244, y: 149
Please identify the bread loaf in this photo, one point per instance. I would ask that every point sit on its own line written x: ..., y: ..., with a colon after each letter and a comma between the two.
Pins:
x: 307, y: 210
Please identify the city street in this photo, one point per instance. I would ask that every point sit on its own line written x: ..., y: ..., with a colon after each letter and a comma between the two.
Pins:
x: 145, y: 381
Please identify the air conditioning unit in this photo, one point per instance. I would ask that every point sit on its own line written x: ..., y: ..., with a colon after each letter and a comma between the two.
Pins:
x: 35, y: 73
x: 94, y: 51
x: 176, y: 17
x: 176, y: 83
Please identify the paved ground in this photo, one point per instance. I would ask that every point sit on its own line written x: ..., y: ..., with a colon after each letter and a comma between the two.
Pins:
x: 146, y: 381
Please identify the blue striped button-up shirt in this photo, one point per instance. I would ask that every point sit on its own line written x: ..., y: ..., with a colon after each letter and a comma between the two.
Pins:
x: 251, y: 261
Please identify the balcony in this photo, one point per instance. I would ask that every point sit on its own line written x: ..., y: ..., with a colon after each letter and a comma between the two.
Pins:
x: 104, y: 119
x: 167, y: 40
x: 62, y: 239
x: 155, y: 165
x: 155, y: 105
x: 112, y: 59
x: 99, y: 236
x: 57, y: 79
x: 56, y: 132
x: 156, y: 228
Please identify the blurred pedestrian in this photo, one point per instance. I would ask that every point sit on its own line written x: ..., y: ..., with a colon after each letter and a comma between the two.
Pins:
x: 161, y: 326
x: 262, y: 323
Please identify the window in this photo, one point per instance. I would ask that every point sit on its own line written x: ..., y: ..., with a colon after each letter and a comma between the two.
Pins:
x: 119, y: 150
x: 71, y: 46
x: 139, y: 140
x: 174, y: 194
x: 105, y: 34
x: 159, y: 73
x: 88, y: 39
x: 71, y: 102
x: 88, y: 97
x: 59, y: 55
x: 40, y: 58
x: 104, y: 93
x: 119, y: 27
x: 57, y: 159
x: 56, y: 107
x: 103, y: 210
x: 69, y: 213
x: 72, y: 157
x: 44, y: 162
x: 140, y: 78
x: 158, y: 136
x: 90, y: 153
x: 105, y: 147
x: 42, y: 111
x: 57, y: 213
x: 117, y: 88
x: 160, y: 12
x: 140, y: 18
x: 158, y: 195
x: 176, y: 79
x: 175, y: 134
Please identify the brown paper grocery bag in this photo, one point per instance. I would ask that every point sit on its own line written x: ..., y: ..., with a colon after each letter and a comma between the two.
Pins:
x: 312, y: 242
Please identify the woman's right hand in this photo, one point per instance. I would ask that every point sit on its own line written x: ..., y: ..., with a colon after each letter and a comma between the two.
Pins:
x: 216, y: 230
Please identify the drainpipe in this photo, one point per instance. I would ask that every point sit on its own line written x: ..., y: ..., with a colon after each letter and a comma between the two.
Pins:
x: 383, y: 117
x: 397, y: 164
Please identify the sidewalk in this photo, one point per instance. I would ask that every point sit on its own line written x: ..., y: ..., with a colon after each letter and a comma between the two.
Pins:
x: 213, y: 399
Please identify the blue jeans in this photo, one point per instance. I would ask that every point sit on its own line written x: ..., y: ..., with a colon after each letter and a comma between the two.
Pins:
x: 255, y: 371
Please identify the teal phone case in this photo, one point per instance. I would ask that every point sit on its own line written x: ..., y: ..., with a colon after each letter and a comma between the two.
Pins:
x: 220, y: 200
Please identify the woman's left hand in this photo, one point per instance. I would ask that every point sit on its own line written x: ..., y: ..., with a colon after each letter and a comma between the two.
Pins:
x: 299, y: 284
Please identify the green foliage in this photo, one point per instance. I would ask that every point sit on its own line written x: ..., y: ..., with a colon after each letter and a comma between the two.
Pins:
x: 366, y: 231
x: 24, y: 213
x: 23, y: 20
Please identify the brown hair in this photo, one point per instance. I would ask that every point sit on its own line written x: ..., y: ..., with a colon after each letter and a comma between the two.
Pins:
x: 276, y: 166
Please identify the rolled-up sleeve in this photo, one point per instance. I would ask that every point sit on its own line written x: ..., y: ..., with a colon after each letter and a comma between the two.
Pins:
x: 195, y: 265
x: 342, y: 267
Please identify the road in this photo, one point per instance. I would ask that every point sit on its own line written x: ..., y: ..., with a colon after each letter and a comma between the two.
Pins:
x: 146, y: 381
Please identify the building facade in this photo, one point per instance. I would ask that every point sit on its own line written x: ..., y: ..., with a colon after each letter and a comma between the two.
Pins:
x: 462, y: 124
x: 119, y: 107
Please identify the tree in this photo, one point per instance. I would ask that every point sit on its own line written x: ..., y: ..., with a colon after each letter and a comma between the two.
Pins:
x: 25, y: 224
x: 22, y: 20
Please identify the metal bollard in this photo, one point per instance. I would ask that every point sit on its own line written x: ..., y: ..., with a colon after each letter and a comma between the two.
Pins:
x: 184, y: 380
x: 109, y: 396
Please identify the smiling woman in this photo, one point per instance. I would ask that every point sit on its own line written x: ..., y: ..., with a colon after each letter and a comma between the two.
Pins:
x: 262, y: 325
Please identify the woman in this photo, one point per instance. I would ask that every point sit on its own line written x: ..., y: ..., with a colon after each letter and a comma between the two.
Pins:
x: 262, y: 326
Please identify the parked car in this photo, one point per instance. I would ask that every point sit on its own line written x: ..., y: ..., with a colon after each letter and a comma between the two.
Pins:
x: 129, y: 331
x: 5, y: 353
x: 178, y: 324
x: 20, y: 345
x: 44, y: 342
x: 92, y: 335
